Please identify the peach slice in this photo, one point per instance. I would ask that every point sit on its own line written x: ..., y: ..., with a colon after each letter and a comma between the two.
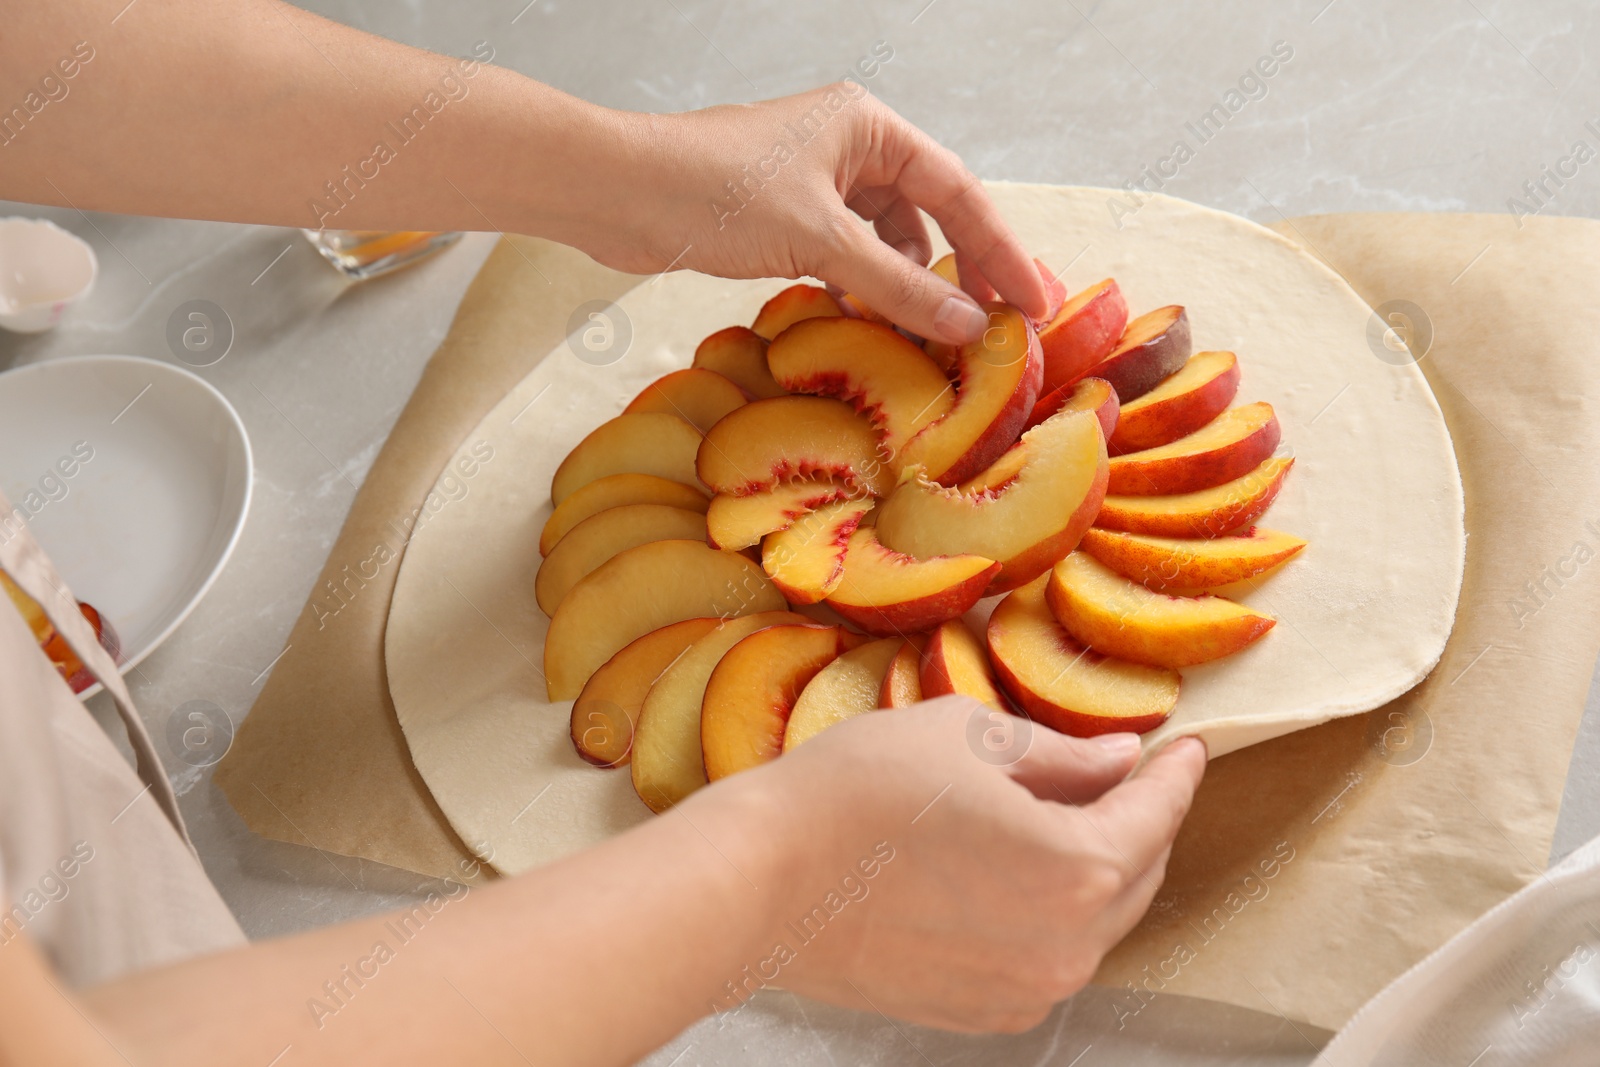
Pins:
x: 1114, y: 616
x: 646, y: 443
x: 1155, y: 346
x: 736, y: 522
x: 1082, y: 332
x: 887, y: 592
x: 843, y: 689
x: 1179, y: 406
x: 1035, y: 518
x: 1066, y: 686
x: 1086, y: 394
x: 604, y: 714
x: 1228, y: 447
x: 1206, y: 513
x: 771, y: 441
x: 694, y: 394
x: 792, y: 305
x: 601, y: 536
x: 880, y: 373
x: 667, y: 765
x: 902, y: 682
x: 753, y: 691
x: 806, y: 561
x: 739, y: 354
x: 998, y: 381
x: 644, y: 589
x: 854, y: 307
x: 955, y: 662
x: 613, y: 491
x: 1189, y: 563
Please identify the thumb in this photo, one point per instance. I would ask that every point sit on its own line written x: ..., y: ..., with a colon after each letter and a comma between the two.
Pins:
x: 908, y: 294
x: 1074, y: 770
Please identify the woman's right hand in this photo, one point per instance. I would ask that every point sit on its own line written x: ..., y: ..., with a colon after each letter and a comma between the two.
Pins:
x: 985, y: 864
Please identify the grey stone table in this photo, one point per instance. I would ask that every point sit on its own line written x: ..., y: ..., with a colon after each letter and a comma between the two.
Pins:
x: 1436, y: 105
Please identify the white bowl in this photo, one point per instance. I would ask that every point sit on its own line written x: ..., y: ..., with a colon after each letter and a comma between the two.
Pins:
x: 159, y: 484
x: 43, y: 271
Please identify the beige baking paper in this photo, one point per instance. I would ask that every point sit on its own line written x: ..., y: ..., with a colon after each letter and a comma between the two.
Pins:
x: 320, y: 759
x: 1318, y: 866
x: 1363, y: 612
x: 1411, y: 860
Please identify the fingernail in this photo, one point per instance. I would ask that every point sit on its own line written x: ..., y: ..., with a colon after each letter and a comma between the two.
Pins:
x: 959, y: 320
x: 1119, y: 746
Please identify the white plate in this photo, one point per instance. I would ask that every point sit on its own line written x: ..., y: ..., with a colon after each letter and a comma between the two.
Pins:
x: 145, y: 523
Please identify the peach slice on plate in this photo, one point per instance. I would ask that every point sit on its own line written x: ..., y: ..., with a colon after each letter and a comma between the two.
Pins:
x: 955, y: 662
x: 1228, y: 447
x: 694, y: 394
x: 1034, y: 515
x: 739, y: 354
x: 604, y: 714
x: 1086, y: 394
x: 902, y: 682
x: 845, y: 688
x: 601, y: 536
x: 1082, y: 332
x: 1112, y: 615
x: 1154, y: 347
x: 667, y: 765
x: 791, y: 306
x: 771, y: 441
x: 645, y: 443
x: 880, y: 373
x: 1179, y: 406
x: 753, y: 691
x: 613, y: 491
x: 1190, y: 563
x: 806, y: 561
x: 736, y: 522
x: 998, y: 381
x: 887, y: 592
x: 644, y: 589
x: 1205, y: 513
x: 1066, y: 686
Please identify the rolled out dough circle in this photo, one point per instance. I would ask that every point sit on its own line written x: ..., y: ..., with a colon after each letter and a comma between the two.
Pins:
x: 1363, y: 612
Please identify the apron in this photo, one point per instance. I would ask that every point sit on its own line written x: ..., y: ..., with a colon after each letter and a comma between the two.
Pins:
x: 96, y: 868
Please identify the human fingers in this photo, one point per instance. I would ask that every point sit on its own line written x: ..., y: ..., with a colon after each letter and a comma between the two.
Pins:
x: 1140, y: 817
x: 973, y: 283
x: 934, y: 178
x: 897, y: 222
x: 1072, y: 770
x: 893, y: 285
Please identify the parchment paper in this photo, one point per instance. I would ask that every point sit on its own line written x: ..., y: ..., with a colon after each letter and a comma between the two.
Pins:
x: 1318, y: 866
x: 1367, y: 841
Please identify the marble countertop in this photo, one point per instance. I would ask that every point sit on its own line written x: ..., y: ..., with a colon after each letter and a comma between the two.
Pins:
x: 1426, y: 106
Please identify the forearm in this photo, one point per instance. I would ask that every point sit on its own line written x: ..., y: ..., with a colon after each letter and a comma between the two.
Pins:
x: 256, y: 111
x: 594, y: 959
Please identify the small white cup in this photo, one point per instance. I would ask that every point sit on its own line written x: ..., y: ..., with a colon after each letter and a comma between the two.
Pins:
x: 43, y: 271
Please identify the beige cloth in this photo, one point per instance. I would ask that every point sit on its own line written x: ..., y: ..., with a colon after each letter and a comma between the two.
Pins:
x: 95, y: 865
x: 1375, y: 860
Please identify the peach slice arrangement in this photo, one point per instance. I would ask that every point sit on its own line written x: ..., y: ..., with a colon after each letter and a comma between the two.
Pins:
x: 1090, y: 467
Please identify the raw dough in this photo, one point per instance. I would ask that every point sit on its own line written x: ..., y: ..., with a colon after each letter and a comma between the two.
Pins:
x: 1362, y: 614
